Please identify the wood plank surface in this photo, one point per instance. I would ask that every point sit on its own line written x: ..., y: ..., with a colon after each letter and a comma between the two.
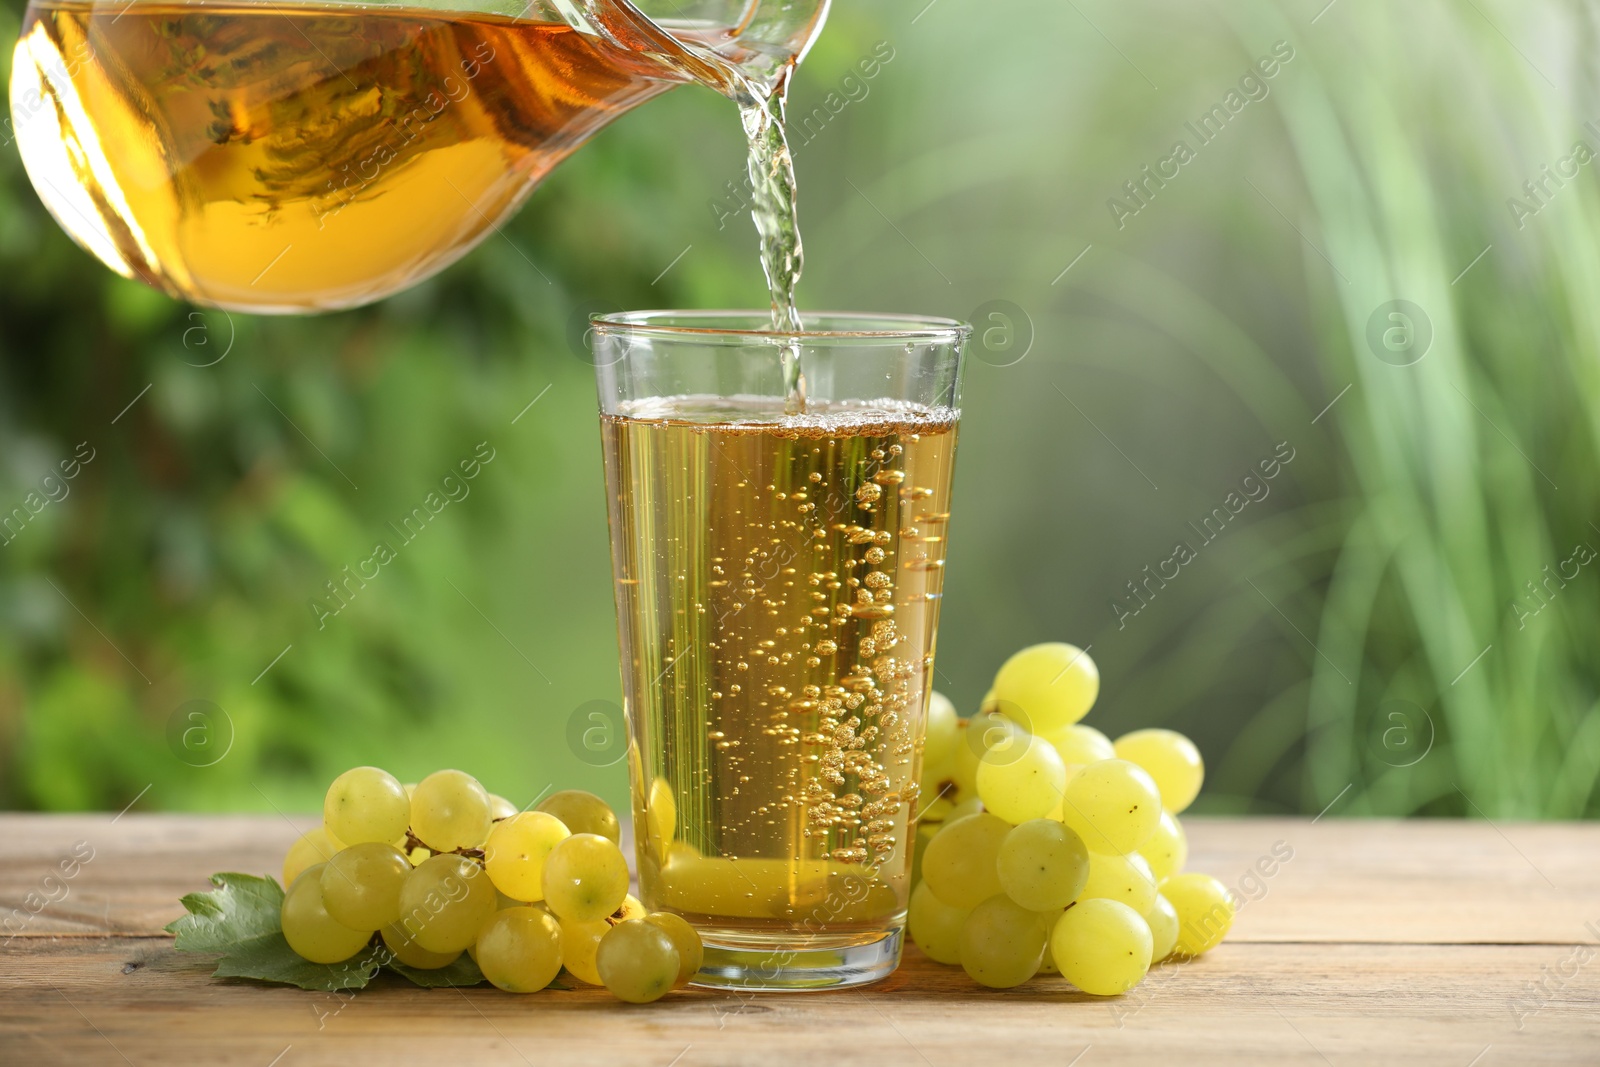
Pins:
x: 1451, y: 943
x: 1410, y: 881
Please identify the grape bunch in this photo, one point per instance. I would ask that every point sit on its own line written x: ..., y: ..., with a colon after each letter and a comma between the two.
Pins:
x: 444, y: 867
x: 1048, y: 848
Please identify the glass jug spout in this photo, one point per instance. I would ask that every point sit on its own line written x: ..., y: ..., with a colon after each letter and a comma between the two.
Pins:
x: 283, y: 157
x: 727, y: 44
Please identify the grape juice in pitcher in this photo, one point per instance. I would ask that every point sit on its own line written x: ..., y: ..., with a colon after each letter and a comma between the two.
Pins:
x: 302, y: 157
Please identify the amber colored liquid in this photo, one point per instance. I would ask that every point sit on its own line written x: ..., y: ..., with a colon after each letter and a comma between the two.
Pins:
x: 288, y: 157
x: 778, y: 590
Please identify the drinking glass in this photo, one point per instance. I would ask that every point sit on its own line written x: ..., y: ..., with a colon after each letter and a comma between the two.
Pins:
x: 778, y: 569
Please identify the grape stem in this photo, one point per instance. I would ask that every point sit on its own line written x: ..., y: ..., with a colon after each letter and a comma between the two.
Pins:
x: 414, y: 842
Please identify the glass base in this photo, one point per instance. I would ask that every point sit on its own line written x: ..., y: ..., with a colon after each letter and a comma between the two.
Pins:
x: 753, y: 964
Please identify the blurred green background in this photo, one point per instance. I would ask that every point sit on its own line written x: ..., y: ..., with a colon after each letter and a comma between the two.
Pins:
x: 1406, y: 621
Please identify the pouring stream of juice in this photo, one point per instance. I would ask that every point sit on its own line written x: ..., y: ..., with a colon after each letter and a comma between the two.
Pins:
x: 774, y: 203
x: 775, y: 209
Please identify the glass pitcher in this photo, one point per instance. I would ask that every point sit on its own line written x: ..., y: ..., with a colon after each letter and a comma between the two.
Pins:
x: 280, y: 158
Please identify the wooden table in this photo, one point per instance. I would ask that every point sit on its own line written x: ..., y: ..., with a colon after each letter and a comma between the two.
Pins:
x: 1449, y: 943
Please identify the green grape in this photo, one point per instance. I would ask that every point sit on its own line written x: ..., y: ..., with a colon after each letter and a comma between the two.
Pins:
x: 938, y: 807
x: 879, y: 900
x: 445, y: 902
x: 361, y: 885
x: 977, y: 735
x: 1052, y: 684
x: 583, y: 813
x: 660, y: 818
x: 964, y: 764
x: 500, y: 807
x: 1171, y: 759
x: 939, y: 747
x: 965, y: 806
x: 579, y: 942
x: 1168, y: 850
x: 503, y: 903
x: 936, y: 926
x: 585, y: 878
x: 1162, y: 919
x: 925, y: 834
x: 366, y: 804
x: 1043, y: 865
x: 685, y: 938
x: 1113, y: 805
x: 1125, y: 879
x: 450, y: 810
x: 1076, y: 743
x: 1002, y: 943
x: 519, y: 949
x: 1205, y: 911
x: 310, y: 930
x: 1101, y: 946
x: 682, y: 853
x: 960, y: 865
x: 990, y: 704
x: 311, y: 848
x: 637, y: 961
x: 516, y: 851
x: 412, y: 954
x: 1021, y: 780
x: 937, y: 790
x: 1058, y: 813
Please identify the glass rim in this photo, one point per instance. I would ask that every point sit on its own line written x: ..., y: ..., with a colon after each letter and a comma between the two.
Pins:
x: 689, y: 325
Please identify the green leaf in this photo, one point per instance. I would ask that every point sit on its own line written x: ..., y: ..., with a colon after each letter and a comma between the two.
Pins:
x: 241, y: 920
x: 463, y: 972
x: 243, y: 907
x: 270, y: 959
